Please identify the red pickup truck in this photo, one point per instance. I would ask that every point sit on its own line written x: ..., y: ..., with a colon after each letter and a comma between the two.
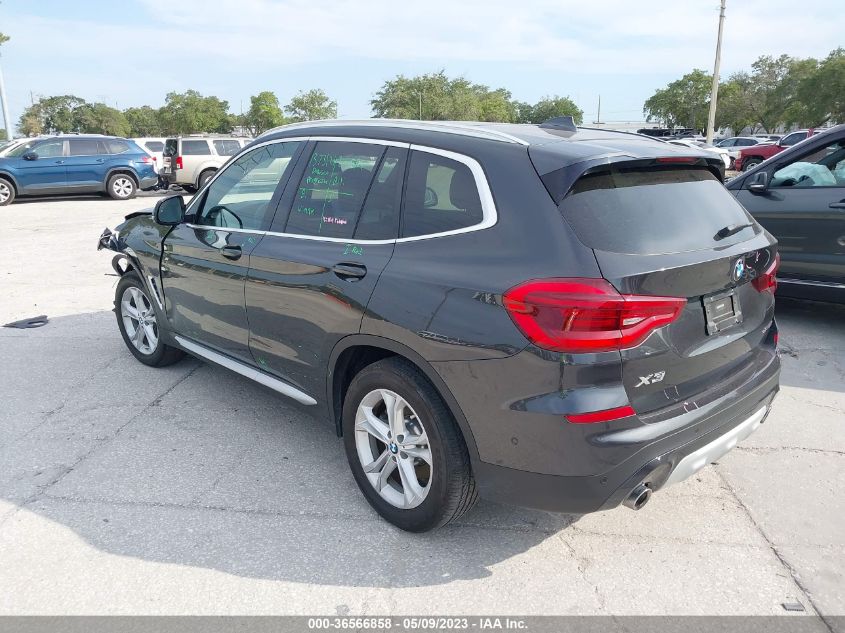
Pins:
x: 756, y: 154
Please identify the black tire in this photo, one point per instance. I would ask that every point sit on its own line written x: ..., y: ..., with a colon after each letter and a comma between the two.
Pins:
x: 189, y: 189
x: 7, y: 192
x: 162, y: 355
x: 121, y: 187
x: 205, y: 176
x: 751, y: 163
x: 452, y: 488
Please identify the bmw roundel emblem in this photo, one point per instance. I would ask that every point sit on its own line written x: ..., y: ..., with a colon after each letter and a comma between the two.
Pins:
x: 738, y: 270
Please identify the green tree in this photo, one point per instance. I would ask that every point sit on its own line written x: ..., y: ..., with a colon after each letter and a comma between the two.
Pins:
x: 733, y: 108
x: 190, y: 112
x: 684, y: 102
x: 551, y: 107
x: 98, y: 118
x: 143, y: 121
x: 312, y: 105
x: 822, y: 93
x: 51, y: 115
x: 436, y: 97
x: 264, y: 113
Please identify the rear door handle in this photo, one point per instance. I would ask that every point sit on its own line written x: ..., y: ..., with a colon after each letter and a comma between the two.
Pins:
x: 101, y: 160
x: 349, y: 272
x: 231, y: 252
x: 837, y: 205
x: 60, y: 162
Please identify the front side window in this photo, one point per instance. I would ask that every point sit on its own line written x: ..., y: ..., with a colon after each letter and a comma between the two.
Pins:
x: 195, y: 148
x: 83, y: 147
x: 441, y: 195
x: 240, y: 196
x: 821, y: 167
x: 333, y: 188
x: 227, y: 147
x: 48, y: 149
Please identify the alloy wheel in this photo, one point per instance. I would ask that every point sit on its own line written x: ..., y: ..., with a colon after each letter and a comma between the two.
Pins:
x: 123, y: 187
x: 139, y: 320
x: 5, y: 192
x: 393, y: 449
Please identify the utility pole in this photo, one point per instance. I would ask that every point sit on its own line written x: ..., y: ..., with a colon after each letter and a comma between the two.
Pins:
x: 714, y: 90
x: 6, y: 121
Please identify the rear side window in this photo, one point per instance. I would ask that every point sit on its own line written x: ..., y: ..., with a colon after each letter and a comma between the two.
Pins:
x: 653, y: 211
x: 380, y: 216
x: 115, y: 146
x: 227, y: 147
x: 441, y: 195
x: 333, y: 188
x: 154, y: 146
x: 83, y: 147
x: 195, y: 148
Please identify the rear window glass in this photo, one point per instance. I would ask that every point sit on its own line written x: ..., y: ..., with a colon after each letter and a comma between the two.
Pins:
x: 171, y: 147
x: 195, y: 148
x: 154, y: 146
x: 226, y: 147
x: 652, y: 211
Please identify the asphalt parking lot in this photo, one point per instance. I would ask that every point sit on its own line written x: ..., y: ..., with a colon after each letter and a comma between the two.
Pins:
x: 126, y: 489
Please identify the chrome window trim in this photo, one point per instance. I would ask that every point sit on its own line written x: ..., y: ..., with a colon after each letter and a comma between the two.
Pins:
x: 449, y: 127
x: 489, y: 213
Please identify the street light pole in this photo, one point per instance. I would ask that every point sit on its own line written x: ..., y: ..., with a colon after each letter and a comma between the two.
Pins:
x: 714, y: 90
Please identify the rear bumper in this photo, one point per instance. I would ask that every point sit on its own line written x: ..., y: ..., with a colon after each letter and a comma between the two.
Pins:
x: 653, y: 464
x: 148, y: 182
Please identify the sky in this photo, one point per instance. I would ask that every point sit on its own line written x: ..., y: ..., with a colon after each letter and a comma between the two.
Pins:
x: 133, y: 52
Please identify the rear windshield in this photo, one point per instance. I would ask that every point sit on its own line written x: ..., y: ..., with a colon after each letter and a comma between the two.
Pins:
x: 171, y: 147
x: 656, y: 210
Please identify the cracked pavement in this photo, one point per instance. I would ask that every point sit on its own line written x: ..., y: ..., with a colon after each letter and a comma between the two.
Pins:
x: 128, y: 490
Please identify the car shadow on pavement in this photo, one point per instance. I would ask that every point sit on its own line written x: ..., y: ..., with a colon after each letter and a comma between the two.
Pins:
x: 193, y: 465
x: 812, y: 344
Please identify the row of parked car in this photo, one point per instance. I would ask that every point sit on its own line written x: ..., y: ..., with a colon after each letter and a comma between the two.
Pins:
x: 118, y: 167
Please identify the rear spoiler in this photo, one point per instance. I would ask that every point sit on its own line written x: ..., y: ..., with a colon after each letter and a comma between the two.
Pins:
x: 559, y: 182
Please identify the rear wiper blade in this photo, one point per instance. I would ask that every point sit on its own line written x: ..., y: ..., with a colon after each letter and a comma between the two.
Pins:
x: 730, y: 229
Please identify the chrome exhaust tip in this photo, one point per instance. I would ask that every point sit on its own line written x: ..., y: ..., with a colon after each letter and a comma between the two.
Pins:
x: 638, y: 498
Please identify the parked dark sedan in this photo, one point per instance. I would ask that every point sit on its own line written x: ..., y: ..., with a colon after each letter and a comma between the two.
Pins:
x: 550, y: 316
x: 799, y: 197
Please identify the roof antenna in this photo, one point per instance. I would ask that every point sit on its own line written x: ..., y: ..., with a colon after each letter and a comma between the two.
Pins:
x: 560, y: 123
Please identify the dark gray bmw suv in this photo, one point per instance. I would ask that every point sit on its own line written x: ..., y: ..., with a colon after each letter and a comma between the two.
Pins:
x: 550, y: 316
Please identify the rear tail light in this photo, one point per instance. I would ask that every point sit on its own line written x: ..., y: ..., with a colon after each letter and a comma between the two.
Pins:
x: 767, y: 280
x: 586, y: 315
x: 147, y: 160
x: 601, y: 416
x: 178, y: 162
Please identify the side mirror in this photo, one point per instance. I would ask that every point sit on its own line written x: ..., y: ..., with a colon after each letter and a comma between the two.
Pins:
x: 170, y: 211
x: 30, y: 156
x: 759, y: 183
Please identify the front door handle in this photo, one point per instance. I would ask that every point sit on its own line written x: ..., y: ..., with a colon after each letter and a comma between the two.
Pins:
x: 349, y: 272
x: 60, y: 162
x: 837, y: 205
x: 231, y: 252
x: 101, y: 160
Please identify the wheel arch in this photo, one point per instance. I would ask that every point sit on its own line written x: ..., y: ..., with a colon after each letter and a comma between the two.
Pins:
x: 352, y: 353
x: 121, y: 170
x: 202, y: 170
x: 11, y: 179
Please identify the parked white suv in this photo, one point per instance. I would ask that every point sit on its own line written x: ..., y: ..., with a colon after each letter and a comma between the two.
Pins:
x: 190, y: 161
x: 154, y: 146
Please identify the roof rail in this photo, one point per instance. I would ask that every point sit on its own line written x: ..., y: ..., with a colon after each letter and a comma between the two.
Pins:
x: 450, y: 127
